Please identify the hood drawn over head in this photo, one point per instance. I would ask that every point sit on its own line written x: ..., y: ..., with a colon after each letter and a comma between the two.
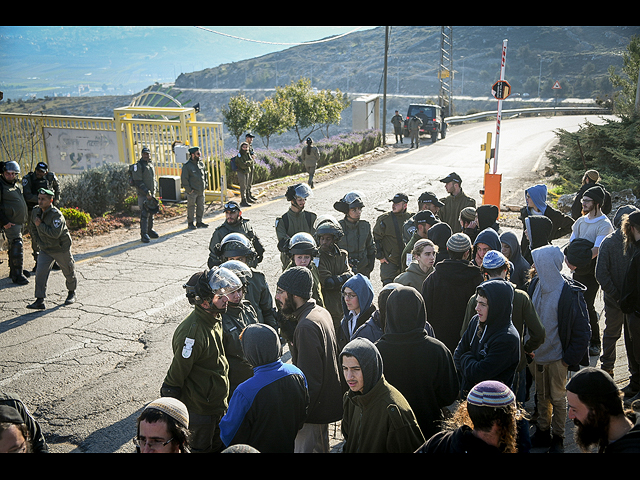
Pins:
x: 487, y: 216
x: 260, y: 344
x: 548, y: 262
x: 490, y: 237
x: 362, y: 287
x: 538, y: 194
x: 369, y: 359
x: 405, y: 311
x: 499, y: 295
x: 539, y: 230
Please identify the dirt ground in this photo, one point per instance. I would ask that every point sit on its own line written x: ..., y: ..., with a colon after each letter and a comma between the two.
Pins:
x: 129, y: 230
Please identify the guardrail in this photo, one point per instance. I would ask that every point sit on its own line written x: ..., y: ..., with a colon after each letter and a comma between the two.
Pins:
x: 518, y: 111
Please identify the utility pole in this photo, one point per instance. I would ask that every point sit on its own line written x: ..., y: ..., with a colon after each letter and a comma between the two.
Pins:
x: 384, y: 98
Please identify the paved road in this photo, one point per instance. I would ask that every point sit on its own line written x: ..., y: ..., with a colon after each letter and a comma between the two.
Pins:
x: 86, y: 370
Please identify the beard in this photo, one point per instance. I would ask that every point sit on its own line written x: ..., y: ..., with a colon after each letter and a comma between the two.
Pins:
x: 288, y: 307
x: 592, y: 433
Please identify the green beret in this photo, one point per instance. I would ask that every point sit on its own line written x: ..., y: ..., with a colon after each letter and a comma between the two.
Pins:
x: 45, y: 191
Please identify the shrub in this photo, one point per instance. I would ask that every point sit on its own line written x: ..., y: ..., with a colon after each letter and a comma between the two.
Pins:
x: 98, y: 190
x: 75, y: 218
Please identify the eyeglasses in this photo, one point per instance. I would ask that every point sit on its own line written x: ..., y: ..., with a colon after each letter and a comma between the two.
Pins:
x: 152, y: 444
x: 349, y: 295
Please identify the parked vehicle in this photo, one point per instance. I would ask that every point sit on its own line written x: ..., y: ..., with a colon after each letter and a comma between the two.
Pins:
x: 432, y: 120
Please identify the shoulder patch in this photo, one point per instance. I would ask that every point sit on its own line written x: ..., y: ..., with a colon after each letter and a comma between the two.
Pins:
x: 187, y: 349
x: 57, y: 223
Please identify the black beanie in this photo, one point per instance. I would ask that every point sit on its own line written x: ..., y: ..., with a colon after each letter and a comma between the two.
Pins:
x: 297, y: 281
x: 595, y: 193
x: 592, y: 381
x: 579, y: 252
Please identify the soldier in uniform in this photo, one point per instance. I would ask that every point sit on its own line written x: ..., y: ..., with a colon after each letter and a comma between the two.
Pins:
x: 194, y: 182
x: 234, y: 223
x: 244, y: 163
x: 310, y: 159
x: 32, y: 182
x: 13, y: 217
x: 455, y: 202
x: 333, y: 266
x: 397, y: 121
x: 426, y: 201
x: 144, y: 178
x: 357, y: 238
x: 249, y: 139
x: 295, y: 220
x: 54, y: 241
x: 236, y: 246
x: 387, y: 235
x: 415, y: 123
x: 199, y: 372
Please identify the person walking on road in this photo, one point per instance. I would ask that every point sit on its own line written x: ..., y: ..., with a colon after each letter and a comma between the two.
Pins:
x: 54, y: 241
x: 310, y: 159
x: 194, y: 182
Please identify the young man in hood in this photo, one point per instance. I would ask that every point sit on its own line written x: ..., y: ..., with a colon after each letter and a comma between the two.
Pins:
x: 536, y: 204
x: 488, y: 239
x: 560, y: 304
x: 490, y: 346
x: 448, y: 289
x: 537, y: 230
x: 511, y: 249
x: 377, y: 417
x: 433, y: 382
x: 357, y: 307
x: 267, y: 410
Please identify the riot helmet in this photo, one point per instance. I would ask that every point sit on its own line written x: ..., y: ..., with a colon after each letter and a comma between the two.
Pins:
x: 300, y: 190
x: 151, y: 205
x: 12, y: 166
x: 328, y: 225
x: 242, y: 270
x: 302, y: 243
x: 353, y: 199
x: 236, y: 245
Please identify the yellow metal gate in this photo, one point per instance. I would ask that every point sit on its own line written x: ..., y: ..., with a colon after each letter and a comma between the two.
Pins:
x: 27, y: 139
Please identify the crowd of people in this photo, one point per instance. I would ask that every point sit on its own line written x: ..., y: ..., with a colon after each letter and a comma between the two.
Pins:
x: 470, y: 323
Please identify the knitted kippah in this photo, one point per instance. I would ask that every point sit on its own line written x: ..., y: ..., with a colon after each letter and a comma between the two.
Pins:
x: 459, y: 242
x: 468, y: 214
x: 593, y: 175
x: 172, y: 407
x: 493, y: 259
x: 491, y: 393
x: 592, y: 381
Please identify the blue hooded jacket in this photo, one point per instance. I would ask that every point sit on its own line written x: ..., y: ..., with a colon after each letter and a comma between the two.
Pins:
x: 361, y: 285
x: 494, y: 353
x: 538, y: 194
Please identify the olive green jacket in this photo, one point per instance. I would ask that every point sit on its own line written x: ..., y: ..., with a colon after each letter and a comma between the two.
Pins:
x: 52, y: 235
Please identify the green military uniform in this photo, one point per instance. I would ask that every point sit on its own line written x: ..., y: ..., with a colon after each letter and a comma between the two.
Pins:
x: 260, y: 297
x: 54, y: 241
x: 199, y: 368
x: 242, y: 226
x: 453, y: 205
x: 144, y: 178
x: 414, y: 130
x: 288, y: 225
x: 234, y: 321
x: 194, y: 181
x: 334, y: 270
x: 31, y: 185
x: 13, y: 209
x: 245, y: 164
x: 387, y: 235
x: 310, y: 158
x: 397, y: 121
x: 358, y: 242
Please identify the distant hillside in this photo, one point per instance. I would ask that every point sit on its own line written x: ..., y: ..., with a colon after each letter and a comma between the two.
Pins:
x: 577, y: 57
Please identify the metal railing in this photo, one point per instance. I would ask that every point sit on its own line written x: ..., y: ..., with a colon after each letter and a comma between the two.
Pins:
x: 519, y: 111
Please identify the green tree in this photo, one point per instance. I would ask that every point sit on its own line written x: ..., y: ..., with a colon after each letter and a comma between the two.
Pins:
x: 276, y: 116
x: 625, y: 97
x: 241, y: 115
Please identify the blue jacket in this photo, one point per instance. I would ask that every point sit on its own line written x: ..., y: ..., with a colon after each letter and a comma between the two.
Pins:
x: 493, y: 353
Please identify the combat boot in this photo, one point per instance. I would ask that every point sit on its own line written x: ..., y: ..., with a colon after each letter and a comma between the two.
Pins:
x: 144, y: 228
x: 16, y: 261
x: 150, y: 231
x: 37, y: 305
x: 71, y: 298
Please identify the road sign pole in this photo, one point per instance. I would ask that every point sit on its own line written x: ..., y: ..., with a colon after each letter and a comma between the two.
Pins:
x: 499, y: 116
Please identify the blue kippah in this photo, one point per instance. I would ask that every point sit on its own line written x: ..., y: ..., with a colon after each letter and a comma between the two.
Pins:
x: 493, y: 259
x: 491, y: 393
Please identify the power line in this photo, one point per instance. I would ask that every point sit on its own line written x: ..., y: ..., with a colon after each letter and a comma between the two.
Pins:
x: 278, y: 43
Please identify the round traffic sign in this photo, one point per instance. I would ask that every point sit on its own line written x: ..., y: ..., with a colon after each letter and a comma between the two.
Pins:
x: 501, y: 89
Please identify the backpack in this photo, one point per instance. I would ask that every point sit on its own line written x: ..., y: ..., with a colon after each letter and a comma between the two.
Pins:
x: 132, y: 168
x: 234, y: 167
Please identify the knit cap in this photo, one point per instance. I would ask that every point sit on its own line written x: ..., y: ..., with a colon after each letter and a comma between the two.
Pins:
x: 459, y: 242
x: 595, y: 193
x: 592, y: 381
x: 172, y: 407
x: 297, y: 281
x: 468, y: 214
x: 491, y: 393
x: 493, y: 259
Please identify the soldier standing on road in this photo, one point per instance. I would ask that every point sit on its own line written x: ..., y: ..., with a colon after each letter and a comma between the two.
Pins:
x: 295, y: 220
x: 244, y: 163
x: 310, y: 158
x: 358, y: 238
x: 144, y: 178
x: 414, y: 125
x: 32, y: 182
x: 234, y: 223
x: 198, y: 374
x: 397, y: 121
x: 455, y: 202
x: 13, y: 217
x: 387, y: 235
x: 194, y: 182
x: 54, y: 241
x: 249, y: 139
